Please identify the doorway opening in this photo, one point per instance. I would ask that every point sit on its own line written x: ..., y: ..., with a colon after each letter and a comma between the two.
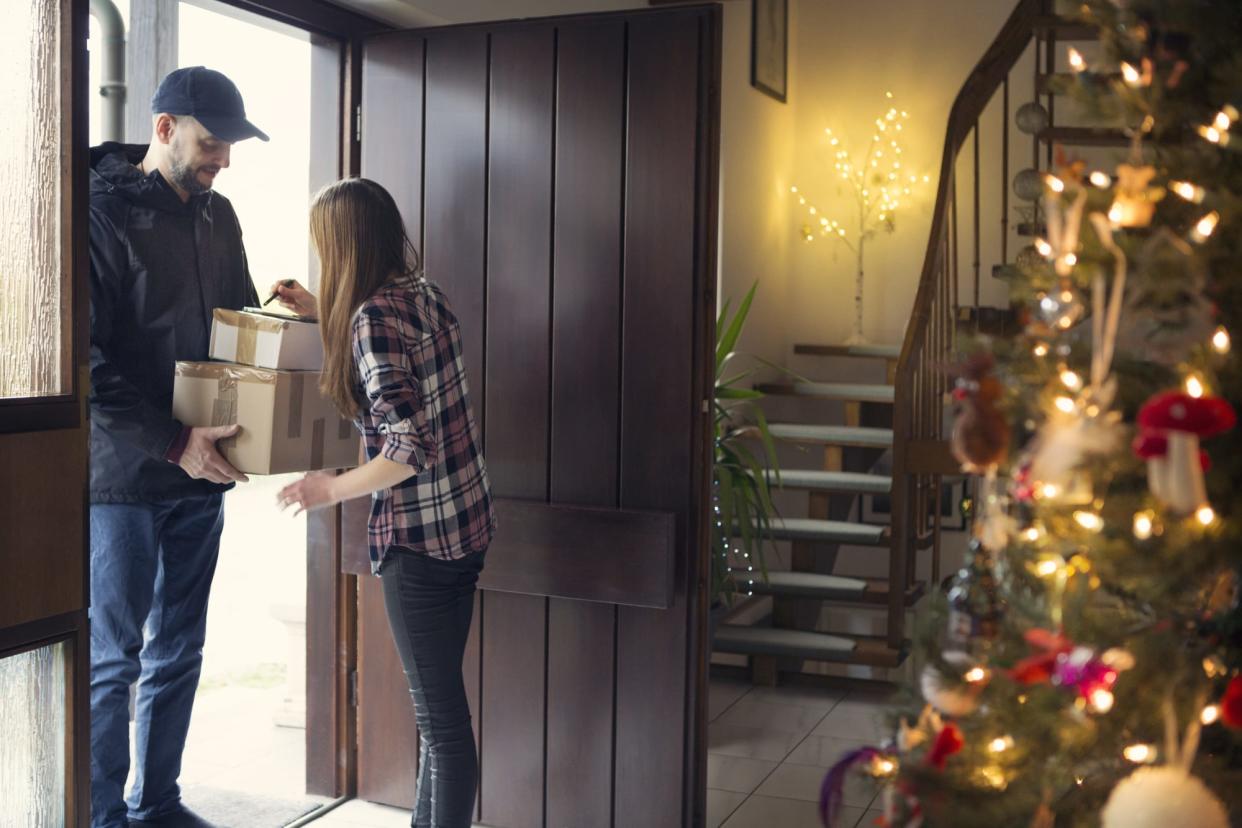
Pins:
x: 245, y: 757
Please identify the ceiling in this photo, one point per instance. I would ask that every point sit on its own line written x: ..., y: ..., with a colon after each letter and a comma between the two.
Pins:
x: 412, y: 13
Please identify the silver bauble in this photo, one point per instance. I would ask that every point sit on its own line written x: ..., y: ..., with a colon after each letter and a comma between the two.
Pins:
x: 1031, y: 118
x: 1059, y: 309
x: 1028, y: 185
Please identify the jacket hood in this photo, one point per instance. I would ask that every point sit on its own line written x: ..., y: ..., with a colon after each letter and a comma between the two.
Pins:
x: 114, y: 169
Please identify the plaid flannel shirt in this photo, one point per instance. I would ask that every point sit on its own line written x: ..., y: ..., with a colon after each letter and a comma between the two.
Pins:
x: 407, y: 345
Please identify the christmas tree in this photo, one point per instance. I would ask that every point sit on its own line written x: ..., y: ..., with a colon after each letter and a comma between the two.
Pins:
x: 1083, y: 668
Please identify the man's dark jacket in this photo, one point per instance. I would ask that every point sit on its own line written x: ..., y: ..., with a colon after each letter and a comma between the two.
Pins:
x: 159, y: 266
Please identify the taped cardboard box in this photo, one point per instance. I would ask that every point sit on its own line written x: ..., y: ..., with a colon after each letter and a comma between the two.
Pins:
x: 286, y: 424
x: 253, y: 337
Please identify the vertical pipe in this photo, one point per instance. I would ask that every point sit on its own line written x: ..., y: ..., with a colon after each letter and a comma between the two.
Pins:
x: 112, y: 85
x: 1035, y: 97
x: 976, y: 227
x: 1050, y: 66
x: 1005, y: 171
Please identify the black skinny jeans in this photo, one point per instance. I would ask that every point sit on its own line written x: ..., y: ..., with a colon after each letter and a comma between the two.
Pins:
x: 430, y: 603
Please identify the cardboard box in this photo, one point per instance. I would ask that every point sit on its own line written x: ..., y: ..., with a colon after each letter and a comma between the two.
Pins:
x: 286, y: 424
x: 254, y: 337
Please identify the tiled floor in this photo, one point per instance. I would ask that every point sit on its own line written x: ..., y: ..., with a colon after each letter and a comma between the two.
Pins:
x: 769, y: 748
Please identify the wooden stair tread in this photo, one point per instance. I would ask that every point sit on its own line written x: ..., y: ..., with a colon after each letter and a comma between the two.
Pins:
x: 816, y: 585
x: 832, y: 481
x: 853, y: 391
x: 1048, y: 80
x: 813, y: 646
x: 1064, y: 28
x: 1085, y: 136
x: 874, y: 351
x: 833, y: 434
x: 735, y: 638
x: 828, y: 531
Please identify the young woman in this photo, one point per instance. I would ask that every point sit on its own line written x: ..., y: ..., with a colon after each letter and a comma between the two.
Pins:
x: 393, y: 363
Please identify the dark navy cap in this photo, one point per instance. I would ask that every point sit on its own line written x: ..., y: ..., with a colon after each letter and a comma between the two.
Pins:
x: 211, y: 98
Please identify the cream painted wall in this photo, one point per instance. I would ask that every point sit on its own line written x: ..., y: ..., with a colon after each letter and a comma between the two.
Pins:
x: 847, y: 56
x: 756, y: 159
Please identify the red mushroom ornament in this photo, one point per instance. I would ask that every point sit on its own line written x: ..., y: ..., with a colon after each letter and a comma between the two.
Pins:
x: 1172, y: 423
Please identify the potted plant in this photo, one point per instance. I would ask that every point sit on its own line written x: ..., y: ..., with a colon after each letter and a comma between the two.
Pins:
x: 741, y: 498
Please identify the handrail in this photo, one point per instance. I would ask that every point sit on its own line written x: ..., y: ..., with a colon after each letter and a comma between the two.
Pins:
x: 968, y: 107
x: 919, y: 382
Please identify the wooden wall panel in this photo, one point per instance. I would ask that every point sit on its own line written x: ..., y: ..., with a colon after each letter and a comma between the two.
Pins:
x: 454, y: 235
x: 585, y: 402
x: 392, y: 98
x: 564, y: 214
x: 43, y: 525
x: 519, y: 212
x: 387, y: 733
x: 658, y: 410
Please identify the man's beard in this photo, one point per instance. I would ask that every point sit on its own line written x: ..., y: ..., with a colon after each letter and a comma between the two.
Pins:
x: 185, y: 176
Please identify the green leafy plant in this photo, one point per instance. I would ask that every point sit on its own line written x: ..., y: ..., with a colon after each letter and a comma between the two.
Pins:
x: 742, y: 497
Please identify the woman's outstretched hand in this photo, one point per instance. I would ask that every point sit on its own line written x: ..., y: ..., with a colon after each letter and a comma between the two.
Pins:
x: 296, y: 298
x: 314, y: 491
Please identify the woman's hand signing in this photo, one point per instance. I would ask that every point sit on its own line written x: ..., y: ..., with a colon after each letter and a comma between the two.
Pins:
x: 292, y: 296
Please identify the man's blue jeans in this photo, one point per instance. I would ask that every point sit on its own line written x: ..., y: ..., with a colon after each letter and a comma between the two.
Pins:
x: 151, y: 568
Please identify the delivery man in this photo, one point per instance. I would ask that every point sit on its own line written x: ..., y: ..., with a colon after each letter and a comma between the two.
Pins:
x: 165, y: 251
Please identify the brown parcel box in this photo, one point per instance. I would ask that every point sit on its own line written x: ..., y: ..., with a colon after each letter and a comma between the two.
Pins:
x: 267, y: 340
x: 286, y: 425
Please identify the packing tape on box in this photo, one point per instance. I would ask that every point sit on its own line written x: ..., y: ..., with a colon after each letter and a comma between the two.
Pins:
x: 227, y: 377
x: 248, y: 327
x: 297, y: 386
x: 317, y: 438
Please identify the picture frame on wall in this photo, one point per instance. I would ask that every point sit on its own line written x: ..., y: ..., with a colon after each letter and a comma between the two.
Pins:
x: 769, y: 47
x: 877, y: 509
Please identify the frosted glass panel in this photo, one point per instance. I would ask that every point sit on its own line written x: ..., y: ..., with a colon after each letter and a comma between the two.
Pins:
x: 32, y: 750
x: 30, y: 266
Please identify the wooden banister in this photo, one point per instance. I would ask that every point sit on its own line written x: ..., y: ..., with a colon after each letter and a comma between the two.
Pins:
x: 920, y: 381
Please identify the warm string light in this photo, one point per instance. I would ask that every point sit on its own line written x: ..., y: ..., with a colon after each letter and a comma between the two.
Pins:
x: 1194, y: 386
x: 1089, y: 521
x: 1144, y: 524
x: 1070, y: 379
x: 1130, y: 75
x: 1064, y: 404
x: 1190, y: 192
x: 1040, y: 349
x: 1101, y: 700
x: 1210, y: 714
x: 1100, y: 179
x: 1053, y: 183
x: 1000, y: 744
x: 1076, y: 61
x: 1206, y: 515
x: 1205, y: 226
x: 1140, y: 753
x: 1220, y: 340
x: 975, y: 675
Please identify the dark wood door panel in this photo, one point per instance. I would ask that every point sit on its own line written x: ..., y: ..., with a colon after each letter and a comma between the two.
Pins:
x: 387, y: 733
x: 455, y: 191
x: 563, y: 211
x: 519, y: 217
x: 659, y: 413
x: 392, y: 151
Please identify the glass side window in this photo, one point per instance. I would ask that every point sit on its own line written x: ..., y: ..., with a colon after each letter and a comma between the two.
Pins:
x: 32, y: 752
x: 34, y: 315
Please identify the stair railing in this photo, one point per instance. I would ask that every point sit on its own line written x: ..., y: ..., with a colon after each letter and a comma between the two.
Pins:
x: 921, y: 383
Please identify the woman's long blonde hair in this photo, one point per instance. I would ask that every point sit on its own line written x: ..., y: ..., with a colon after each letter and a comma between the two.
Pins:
x: 362, y: 245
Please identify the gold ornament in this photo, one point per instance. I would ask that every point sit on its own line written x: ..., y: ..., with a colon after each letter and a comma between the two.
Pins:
x: 1135, y: 201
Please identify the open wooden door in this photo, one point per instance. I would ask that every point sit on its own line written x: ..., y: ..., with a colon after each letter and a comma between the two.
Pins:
x: 44, y: 638
x: 560, y: 176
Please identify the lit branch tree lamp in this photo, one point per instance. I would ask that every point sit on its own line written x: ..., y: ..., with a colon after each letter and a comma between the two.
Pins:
x: 879, y: 184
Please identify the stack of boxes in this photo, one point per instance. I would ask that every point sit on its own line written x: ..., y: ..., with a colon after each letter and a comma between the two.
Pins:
x: 266, y: 380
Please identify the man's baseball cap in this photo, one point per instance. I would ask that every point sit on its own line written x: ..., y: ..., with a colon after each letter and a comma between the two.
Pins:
x: 211, y: 98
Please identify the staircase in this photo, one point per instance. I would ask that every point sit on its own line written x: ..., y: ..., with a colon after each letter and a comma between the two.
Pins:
x: 901, y: 415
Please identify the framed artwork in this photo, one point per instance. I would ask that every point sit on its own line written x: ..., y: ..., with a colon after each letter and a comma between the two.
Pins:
x: 769, y: 47
x: 877, y: 509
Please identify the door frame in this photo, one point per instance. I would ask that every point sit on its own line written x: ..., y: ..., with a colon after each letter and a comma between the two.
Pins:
x: 331, y: 596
